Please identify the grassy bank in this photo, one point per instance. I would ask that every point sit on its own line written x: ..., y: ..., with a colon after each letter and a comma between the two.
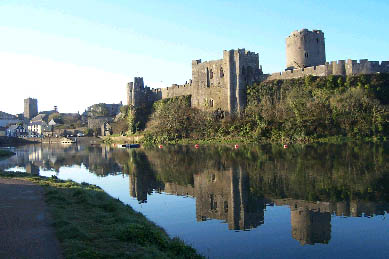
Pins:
x: 91, y: 224
x: 6, y: 153
x: 12, y: 141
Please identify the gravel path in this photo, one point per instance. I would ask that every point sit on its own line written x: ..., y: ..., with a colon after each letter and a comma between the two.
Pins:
x: 25, y: 229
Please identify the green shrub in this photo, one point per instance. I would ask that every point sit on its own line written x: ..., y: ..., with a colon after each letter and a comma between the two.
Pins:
x: 297, y: 110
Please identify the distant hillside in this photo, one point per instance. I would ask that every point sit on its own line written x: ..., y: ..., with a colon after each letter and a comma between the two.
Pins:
x: 7, y: 116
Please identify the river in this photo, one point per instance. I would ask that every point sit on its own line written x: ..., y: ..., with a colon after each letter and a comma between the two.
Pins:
x: 257, y: 201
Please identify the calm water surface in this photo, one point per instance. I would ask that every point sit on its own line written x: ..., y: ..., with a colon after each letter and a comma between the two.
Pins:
x: 316, y: 201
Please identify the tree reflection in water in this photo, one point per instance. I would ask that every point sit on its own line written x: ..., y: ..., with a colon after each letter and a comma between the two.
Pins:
x: 236, y: 186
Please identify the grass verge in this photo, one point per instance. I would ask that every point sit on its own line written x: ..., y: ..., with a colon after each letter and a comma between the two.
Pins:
x: 91, y: 224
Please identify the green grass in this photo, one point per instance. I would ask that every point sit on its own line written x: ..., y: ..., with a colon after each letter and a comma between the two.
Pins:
x: 91, y: 224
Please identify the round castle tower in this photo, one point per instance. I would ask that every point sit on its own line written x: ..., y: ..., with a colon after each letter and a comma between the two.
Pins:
x: 305, y: 48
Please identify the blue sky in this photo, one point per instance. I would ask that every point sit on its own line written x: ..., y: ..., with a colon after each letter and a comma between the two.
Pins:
x: 76, y: 53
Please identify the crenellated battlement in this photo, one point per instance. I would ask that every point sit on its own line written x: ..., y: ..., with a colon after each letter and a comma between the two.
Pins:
x: 302, y: 32
x: 340, y: 67
x: 242, y: 52
x: 321, y: 70
x: 174, y: 87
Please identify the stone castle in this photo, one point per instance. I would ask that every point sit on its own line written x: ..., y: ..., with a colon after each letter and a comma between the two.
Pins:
x: 215, y: 85
x: 305, y: 55
x: 220, y: 85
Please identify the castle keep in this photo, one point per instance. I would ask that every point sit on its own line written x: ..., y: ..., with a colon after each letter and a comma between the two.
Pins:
x: 305, y: 55
x: 220, y: 85
x: 305, y: 49
x: 215, y: 85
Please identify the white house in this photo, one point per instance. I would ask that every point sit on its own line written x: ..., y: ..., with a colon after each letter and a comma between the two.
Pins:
x: 36, y: 128
x: 39, y: 128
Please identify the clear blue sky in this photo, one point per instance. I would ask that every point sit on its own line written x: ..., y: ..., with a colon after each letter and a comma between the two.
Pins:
x: 76, y: 53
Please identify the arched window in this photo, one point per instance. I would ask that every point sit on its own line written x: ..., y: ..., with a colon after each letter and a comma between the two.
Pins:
x: 211, y: 74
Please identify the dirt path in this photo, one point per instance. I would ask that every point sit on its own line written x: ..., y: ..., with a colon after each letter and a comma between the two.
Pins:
x: 25, y: 230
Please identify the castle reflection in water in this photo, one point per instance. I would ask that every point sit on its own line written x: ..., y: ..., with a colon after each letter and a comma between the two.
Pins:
x: 237, y: 186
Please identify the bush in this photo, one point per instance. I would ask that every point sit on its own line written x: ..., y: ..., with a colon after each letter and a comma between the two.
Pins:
x: 174, y: 119
x: 315, y: 107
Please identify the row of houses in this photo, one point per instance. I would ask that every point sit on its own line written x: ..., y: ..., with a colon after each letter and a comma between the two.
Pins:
x: 33, y: 129
x: 38, y: 125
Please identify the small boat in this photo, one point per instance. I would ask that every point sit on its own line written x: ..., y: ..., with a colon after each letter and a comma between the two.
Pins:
x: 128, y: 145
x: 67, y: 141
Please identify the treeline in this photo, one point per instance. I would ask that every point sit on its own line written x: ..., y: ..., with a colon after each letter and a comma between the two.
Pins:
x: 296, y: 110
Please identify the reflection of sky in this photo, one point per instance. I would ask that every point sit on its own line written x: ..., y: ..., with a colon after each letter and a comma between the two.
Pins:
x: 351, y: 237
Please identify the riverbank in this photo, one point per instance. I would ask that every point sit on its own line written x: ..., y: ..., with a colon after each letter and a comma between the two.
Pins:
x: 147, y: 141
x: 6, y: 153
x: 11, y: 141
x: 91, y: 224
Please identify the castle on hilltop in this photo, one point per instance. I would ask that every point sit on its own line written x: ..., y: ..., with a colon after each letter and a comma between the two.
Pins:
x: 220, y: 85
x: 215, y: 85
x: 305, y: 55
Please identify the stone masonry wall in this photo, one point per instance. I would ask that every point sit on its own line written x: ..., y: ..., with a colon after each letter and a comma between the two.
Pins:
x: 341, y: 67
x: 243, y: 70
x: 176, y: 90
x: 215, y: 85
x: 209, y: 88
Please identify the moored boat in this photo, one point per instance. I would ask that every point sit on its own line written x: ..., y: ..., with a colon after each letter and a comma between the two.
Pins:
x: 128, y: 145
x: 67, y: 141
